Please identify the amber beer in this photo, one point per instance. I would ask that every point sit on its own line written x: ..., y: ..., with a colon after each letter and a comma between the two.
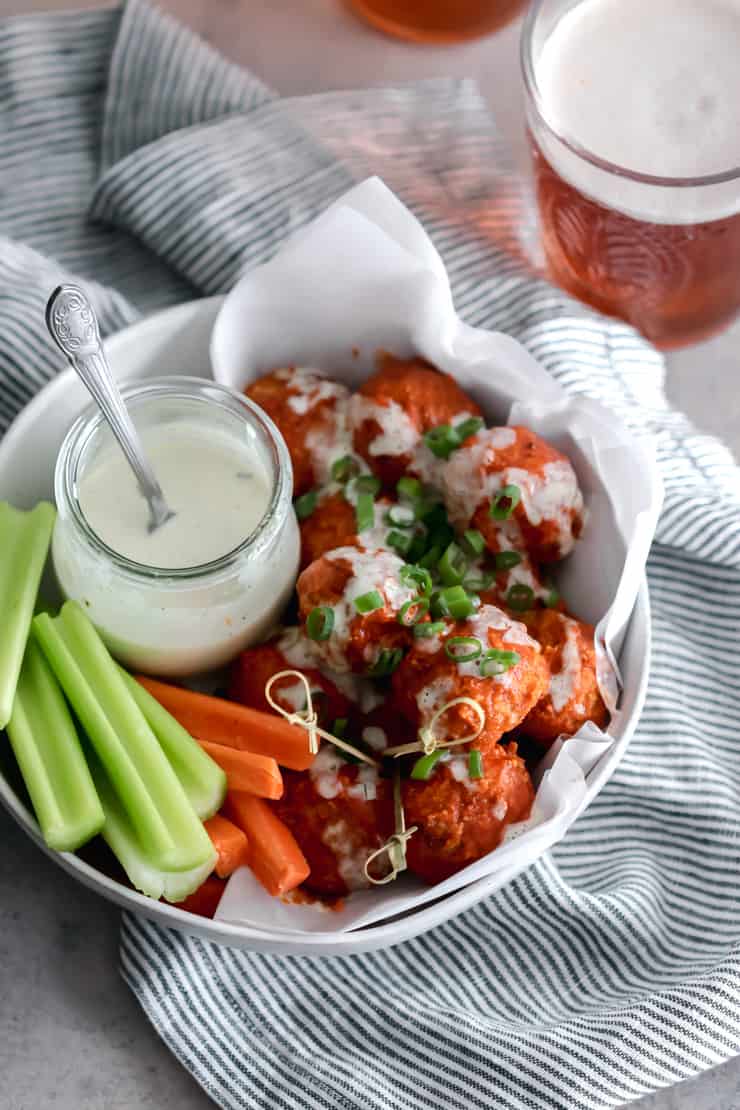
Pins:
x: 437, y: 20
x: 636, y: 144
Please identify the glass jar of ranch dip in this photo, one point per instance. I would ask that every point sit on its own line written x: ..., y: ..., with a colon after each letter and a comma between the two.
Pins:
x: 189, y: 596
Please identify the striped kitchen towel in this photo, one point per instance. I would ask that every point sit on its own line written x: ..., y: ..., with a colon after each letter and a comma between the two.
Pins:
x: 139, y: 161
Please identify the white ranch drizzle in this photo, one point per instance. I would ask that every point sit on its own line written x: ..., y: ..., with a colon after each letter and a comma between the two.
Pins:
x: 375, y: 738
x: 309, y: 387
x: 398, y: 434
x: 459, y: 767
x: 338, y: 837
x: 365, y: 786
x: 298, y: 650
x: 563, y: 682
x: 369, y: 571
x: 514, y: 633
x: 500, y: 809
x: 434, y: 695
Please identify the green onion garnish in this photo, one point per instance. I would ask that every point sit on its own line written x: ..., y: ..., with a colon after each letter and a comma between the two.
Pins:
x: 463, y: 648
x: 403, y: 516
x: 442, y: 440
x: 369, y: 602
x: 428, y: 630
x: 399, y: 541
x: 364, y: 512
x: 475, y: 764
x: 453, y: 601
x: 473, y: 542
x: 504, y: 503
x: 416, y: 577
x: 520, y: 597
x: 345, y: 468
x: 412, y: 611
x: 434, y: 515
x: 409, y: 489
x: 305, y: 504
x: 505, y: 560
x: 386, y: 663
x: 320, y: 622
x: 469, y: 427
x: 417, y: 548
x: 452, y: 565
x: 422, y: 769
x: 431, y: 558
x: 495, y: 661
x: 339, y: 728
x: 553, y: 597
x: 368, y: 483
x: 479, y: 582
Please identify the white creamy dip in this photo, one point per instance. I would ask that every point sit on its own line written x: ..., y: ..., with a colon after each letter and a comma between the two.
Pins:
x: 217, y: 488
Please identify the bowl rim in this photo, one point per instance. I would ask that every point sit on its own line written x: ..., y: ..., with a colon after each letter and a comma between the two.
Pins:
x: 369, y: 937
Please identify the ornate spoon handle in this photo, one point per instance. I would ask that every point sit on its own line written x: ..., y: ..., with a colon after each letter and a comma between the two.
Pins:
x: 73, y: 326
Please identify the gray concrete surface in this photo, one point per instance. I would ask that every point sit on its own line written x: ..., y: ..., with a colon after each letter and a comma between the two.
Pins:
x: 71, y: 1034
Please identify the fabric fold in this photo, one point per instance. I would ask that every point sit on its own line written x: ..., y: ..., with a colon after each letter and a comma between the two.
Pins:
x: 610, y: 969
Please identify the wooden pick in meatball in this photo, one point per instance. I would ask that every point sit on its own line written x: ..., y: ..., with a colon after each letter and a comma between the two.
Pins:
x: 459, y: 819
x: 572, y: 696
x: 395, y: 407
x: 490, y: 658
x: 517, y: 490
x: 311, y: 412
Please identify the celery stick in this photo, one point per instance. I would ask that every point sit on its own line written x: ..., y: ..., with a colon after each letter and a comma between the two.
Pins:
x: 149, y: 791
x: 46, y: 746
x: 202, y: 780
x: 120, y: 836
x: 24, y: 544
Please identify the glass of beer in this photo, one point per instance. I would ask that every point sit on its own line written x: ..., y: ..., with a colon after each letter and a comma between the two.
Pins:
x: 437, y: 20
x: 633, y: 109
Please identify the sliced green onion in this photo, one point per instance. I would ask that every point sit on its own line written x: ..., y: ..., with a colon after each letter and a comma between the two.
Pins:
x: 409, y: 489
x: 428, y: 630
x: 368, y: 483
x: 452, y: 565
x: 431, y: 558
x: 417, y: 548
x: 505, y: 560
x: 469, y: 427
x: 369, y: 602
x: 364, y: 512
x: 320, y: 622
x: 422, y: 769
x: 453, y: 601
x: 386, y: 663
x: 305, y: 504
x: 442, y: 440
x: 495, y: 661
x: 504, y: 503
x: 441, y: 536
x: 473, y: 542
x: 434, y: 515
x: 475, y: 583
x: 475, y: 764
x: 345, y: 468
x: 463, y: 648
x: 339, y: 728
x: 552, y: 598
x: 418, y: 577
x: 399, y: 541
x: 403, y: 516
x: 412, y: 611
x: 520, y: 597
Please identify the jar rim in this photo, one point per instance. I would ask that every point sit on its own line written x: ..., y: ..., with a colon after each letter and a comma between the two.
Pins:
x: 207, y: 392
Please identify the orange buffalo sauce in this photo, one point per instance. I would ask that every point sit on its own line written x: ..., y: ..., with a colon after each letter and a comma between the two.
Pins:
x: 437, y: 20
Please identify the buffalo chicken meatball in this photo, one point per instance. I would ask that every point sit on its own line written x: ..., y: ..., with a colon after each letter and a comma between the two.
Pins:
x: 333, y: 523
x: 459, y: 818
x: 350, y: 601
x: 340, y: 813
x: 311, y: 412
x: 395, y: 407
x: 572, y: 696
x: 498, y: 665
x: 517, y: 490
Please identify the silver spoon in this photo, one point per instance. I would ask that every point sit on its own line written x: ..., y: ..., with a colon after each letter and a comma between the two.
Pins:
x: 73, y: 325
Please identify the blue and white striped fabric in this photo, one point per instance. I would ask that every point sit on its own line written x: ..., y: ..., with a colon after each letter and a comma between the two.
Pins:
x: 610, y: 969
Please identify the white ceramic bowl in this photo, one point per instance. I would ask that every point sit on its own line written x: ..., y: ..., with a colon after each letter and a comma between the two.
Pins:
x: 176, y: 341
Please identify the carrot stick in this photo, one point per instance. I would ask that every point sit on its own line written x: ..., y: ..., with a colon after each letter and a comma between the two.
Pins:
x: 273, y: 853
x: 255, y: 774
x: 218, y: 721
x: 230, y: 843
x: 204, y: 901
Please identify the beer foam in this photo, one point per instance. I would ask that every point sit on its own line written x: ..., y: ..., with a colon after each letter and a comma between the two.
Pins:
x: 652, y: 87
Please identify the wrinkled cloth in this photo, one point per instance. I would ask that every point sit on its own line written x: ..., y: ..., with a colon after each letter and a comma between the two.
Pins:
x: 137, y: 160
